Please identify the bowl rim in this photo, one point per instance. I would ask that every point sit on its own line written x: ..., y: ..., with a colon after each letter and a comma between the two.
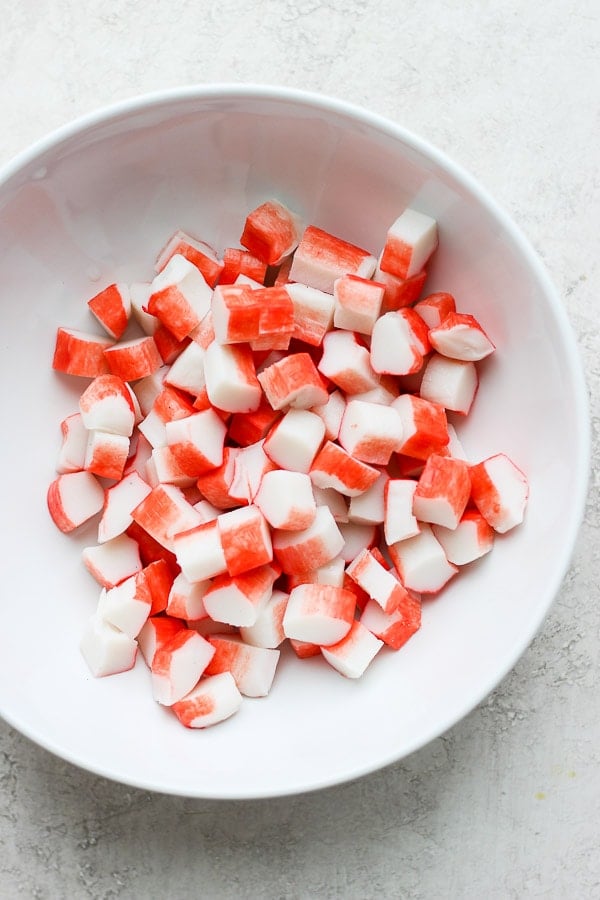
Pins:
x: 112, y: 112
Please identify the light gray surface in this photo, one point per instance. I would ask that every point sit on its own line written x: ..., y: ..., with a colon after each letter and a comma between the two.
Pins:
x: 506, y: 804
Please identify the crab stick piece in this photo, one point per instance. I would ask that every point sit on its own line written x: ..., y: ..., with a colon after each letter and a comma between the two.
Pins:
x: 267, y: 630
x: 238, y: 600
x: 114, y: 561
x: 107, y: 405
x: 187, y: 372
x: 248, y: 428
x: 346, y: 362
x: 159, y: 578
x: 134, y: 359
x: 164, y: 512
x: 252, y: 668
x: 424, y: 426
x: 399, y: 521
x: 231, y: 382
x: 112, y: 309
x: 180, y: 297
x: 321, y: 257
x: 377, y: 581
x: 79, y: 353
x: 73, y: 498
x: 357, y: 303
x: 127, y: 605
x: 245, y: 539
x: 368, y: 508
x: 178, y: 665
x: 276, y: 322
x: 186, y: 599
x: 450, y: 382
x: 313, y: 313
x: 139, y: 294
x: 199, y: 551
x: 334, y: 467
x: 271, y: 232
x: 472, y: 538
x: 443, y: 491
x: 460, y: 336
x: 294, y: 441
x: 399, y: 292
x: 197, y: 441
x: 286, y: 500
x: 74, y: 437
x: 409, y: 243
x: 216, y: 485
x: 169, y: 347
x: 197, y: 252
x: 156, y: 632
x: 106, y: 454
x: 300, y: 552
x: 250, y: 466
x: 213, y: 700
x: 238, y: 262
x: 421, y: 562
x: 235, y: 314
x: 370, y: 432
x: 148, y: 389
x: 331, y: 412
x: 336, y: 502
x: 500, y: 492
x: 319, y: 614
x: 395, y: 348
x: 353, y: 654
x: 106, y: 649
x: 434, y: 308
x: 358, y: 536
x: 395, y: 628
x: 293, y: 382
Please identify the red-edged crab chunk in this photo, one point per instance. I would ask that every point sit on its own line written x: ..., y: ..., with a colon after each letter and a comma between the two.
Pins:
x: 336, y: 502
x: 180, y: 297
x: 74, y: 437
x: 73, y: 498
x: 216, y: 485
x: 271, y: 232
x: 107, y: 405
x: 397, y: 347
x: 357, y: 537
x: 460, y: 336
x: 354, y: 653
x: 197, y: 252
x: 235, y: 313
x: 178, y: 665
x: 134, y: 359
x: 186, y: 599
x: 293, y: 382
x: 170, y: 404
x: 245, y: 539
x: 334, y: 467
x: 238, y: 262
x: 397, y: 627
x: 231, y: 382
x: 139, y: 294
x: 377, y: 581
x: 319, y: 614
x: 500, y: 491
x: 331, y: 412
x: 238, y: 599
x: 313, y: 313
x: 163, y: 468
x: 197, y: 442
x: 300, y: 552
x: 164, y: 512
x: 421, y: 562
x: 443, y: 491
x: 450, y: 382
x: 368, y: 508
x: 294, y: 441
x: 434, y: 308
x: 119, y: 501
x: 409, y: 243
x: 399, y: 292
x: 399, y: 521
x: 370, y: 432
x: 214, y: 699
x: 346, y: 362
x: 286, y: 500
x: 276, y: 319
x: 187, y: 372
x: 106, y: 649
x: 252, y: 668
x: 248, y: 428
x: 267, y: 630
x: 112, y: 308
x: 159, y: 578
x: 424, y: 426
x: 80, y: 353
x: 321, y: 257
x: 471, y: 539
x: 114, y: 561
x: 357, y: 303
x: 199, y: 551
x: 106, y: 454
x: 155, y: 633
x: 127, y: 605
x: 147, y: 389
x: 250, y: 467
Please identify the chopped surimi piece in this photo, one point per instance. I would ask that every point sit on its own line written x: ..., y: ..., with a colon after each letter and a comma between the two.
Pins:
x: 73, y: 498
x: 395, y: 349
x: 397, y: 627
x: 238, y: 262
x: 354, y: 652
x: 106, y: 649
x: 197, y: 252
x: 500, y: 491
x: 106, y: 405
x: 163, y: 468
x: 276, y: 318
x: 421, y: 562
x: 207, y: 511
x: 216, y: 486
x: 180, y: 296
x: 199, y: 551
x: 450, y: 382
x: 357, y: 537
x: 471, y: 539
x: 106, y: 454
x: 267, y: 630
x: 357, y: 303
x: 331, y: 412
x: 321, y: 258
x: 71, y: 456
x: 293, y: 382
x: 399, y: 521
x: 231, y: 382
x: 251, y: 465
x: 204, y: 333
x: 159, y: 578
x: 303, y: 551
x: 253, y: 668
x: 347, y: 363
x: 236, y: 313
x: 134, y: 359
x: 369, y: 507
x: 245, y: 539
x: 187, y: 372
x: 197, y: 442
x: 434, y: 308
x: 169, y: 347
x: 164, y: 512
x: 178, y: 665
x: 155, y: 633
x: 238, y: 600
x: 399, y: 292
x: 333, y: 467
x: 384, y: 393
x: 147, y: 389
x: 139, y: 294
x: 286, y: 500
x: 80, y: 353
x: 248, y: 428
x: 186, y: 599
x: 319, y: 614
x: 294, y: 440
x: 114, y: 561
x: 442, y: 491
x: 378, y: 582
x: 424, y: 426
x: 271, y: 232
x: 460, y: 336
x: 313, y: 313
x: 304, y: 649
x: 330, y: 573
x: 409, y: 243
x: 370, y: 432
x: 127, y: 605
x: 213, y: 700
x: 112, y: 308
x: 337, y: 503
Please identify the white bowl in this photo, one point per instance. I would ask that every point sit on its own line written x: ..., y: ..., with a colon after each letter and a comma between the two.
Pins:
x: 93, y: 203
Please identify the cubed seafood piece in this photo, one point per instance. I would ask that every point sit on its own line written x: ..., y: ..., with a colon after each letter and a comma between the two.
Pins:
x: 80, y: 353
x: 313, y: 313
x: 271, y: 232
x: 331, y: 412
x: 321, y: 257
x: 114, y: 561
x: 199, y: 551
x: 500, y: 491
x: 197, y: 442
x: 470, y: 540
x: 434, y: 308
x: 106, y: 649
x: 303, y: 551
x: 395, y: 628
x: 421, y: 562
x: 409, y: 243
x: 319, y: 614
x: 286, y: 500
x: 73, y: 498
x: 294, y: 441
x: 139, y: 294
x: 267, y: 630
x: 238, y: 262
x: 460, y: 336
x: 106, y: 454
x: 353, y: 653
x: 164, y: 512
x: 399, y: 520
x: 134, y: 359
x: 346, y: 363
x: 238, y: 599
x: 107, y: 405
x: 424, y: 426
x: 253, y: 668
x: 397, y: 348
x: 370, y: 432
x: 178, y: 665
x: 127, y: 605
x: 357, y: 303
x: 399, y: 292
x: 214, y: 699
x: 452, y: 383
x: 231, y: 382
x: 245, y: 539
x: 443, y: 491
x: 187, y: 372
x: 186, y: 599
x: 74, y: 437
x: 155, y: 633
x: 112, y: 308
x: 377, y: 581
x: 334, y: 467
x: 358, y: 536
x: 197, y: 252
x: 180, y: 297
x: 293, y: 382
x: 369, y: 507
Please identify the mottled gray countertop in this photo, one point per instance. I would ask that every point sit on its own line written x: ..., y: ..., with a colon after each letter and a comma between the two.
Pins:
x: 505, y: 805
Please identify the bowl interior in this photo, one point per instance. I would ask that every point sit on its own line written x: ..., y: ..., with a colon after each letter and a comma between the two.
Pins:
x: 94, y: 204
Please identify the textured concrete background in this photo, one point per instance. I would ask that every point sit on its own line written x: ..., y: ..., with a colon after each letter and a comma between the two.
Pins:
x: 506, y: 804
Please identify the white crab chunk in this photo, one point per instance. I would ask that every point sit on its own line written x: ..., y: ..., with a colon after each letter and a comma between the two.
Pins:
x: 231, y: 382
x: 213, y: 700
x: 421, y: 562
x: 294, y: 441
x: 370, y: 432
x: 286, y: 500
x: 450, y: 382
x: 178, y: 665
x: 267, y: 630
x: 73, y: 498
x: 114, y: 561
x: 399, y: 520
x: 352, y: 655
x: 253, y: 668
x: 71, y: 457
x: 127, y: 605
x: 319, y: 613
x: 409, y: 243
x: 106, y: 649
